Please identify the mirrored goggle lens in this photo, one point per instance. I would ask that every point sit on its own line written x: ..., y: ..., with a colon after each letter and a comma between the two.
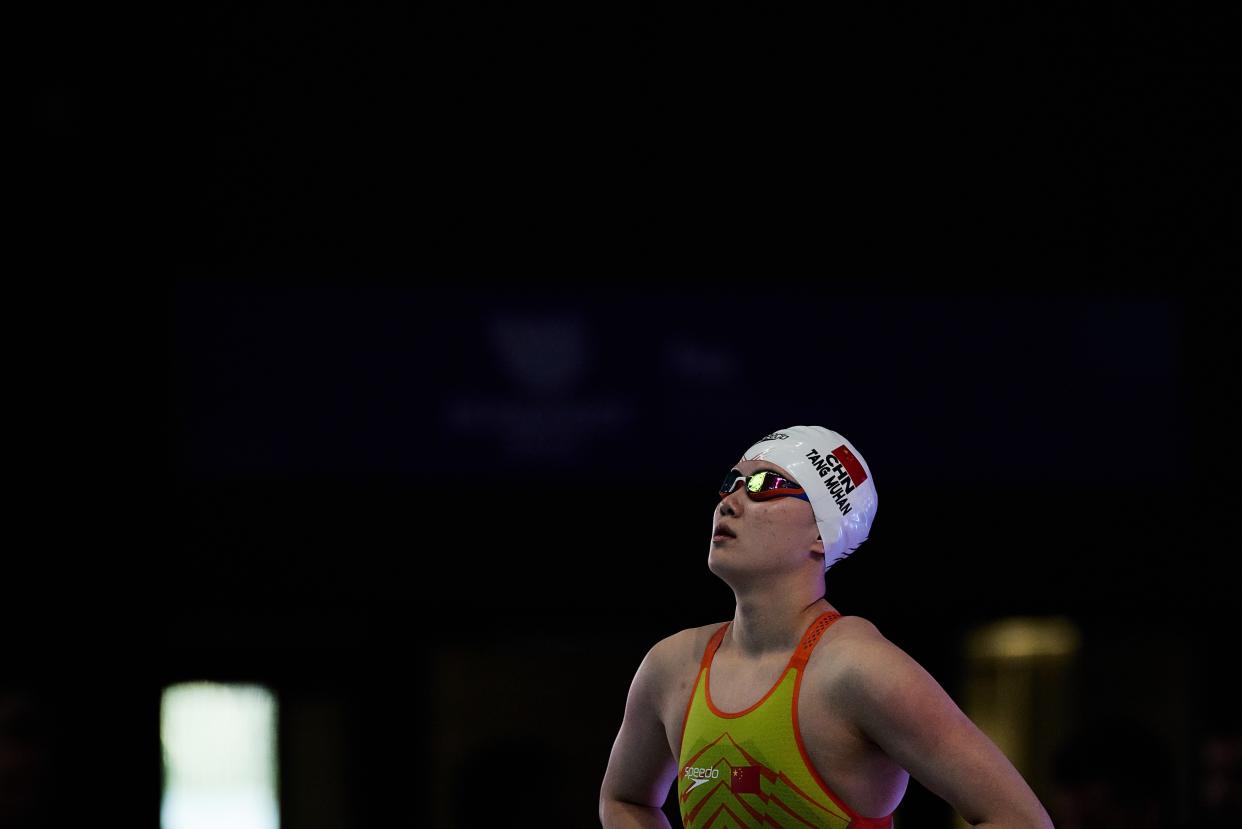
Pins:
x: 762, y: 484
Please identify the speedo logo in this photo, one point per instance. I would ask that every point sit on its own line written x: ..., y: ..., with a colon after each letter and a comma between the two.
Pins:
x: 840, y: 472
x: 773, y: 436
x: 700, y: 776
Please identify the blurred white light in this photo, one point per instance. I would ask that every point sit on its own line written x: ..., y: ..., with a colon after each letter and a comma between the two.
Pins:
x: 219, y: 757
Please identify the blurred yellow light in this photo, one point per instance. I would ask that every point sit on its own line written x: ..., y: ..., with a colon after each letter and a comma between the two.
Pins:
x: 1024, y: 637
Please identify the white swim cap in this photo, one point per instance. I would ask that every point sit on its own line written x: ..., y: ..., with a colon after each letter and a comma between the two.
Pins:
x: 835, y: 477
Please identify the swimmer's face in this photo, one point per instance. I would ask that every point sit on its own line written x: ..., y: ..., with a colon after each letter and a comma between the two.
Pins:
x: 777, y: 531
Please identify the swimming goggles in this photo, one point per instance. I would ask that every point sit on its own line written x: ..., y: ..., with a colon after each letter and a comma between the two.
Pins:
x: 762, y: 485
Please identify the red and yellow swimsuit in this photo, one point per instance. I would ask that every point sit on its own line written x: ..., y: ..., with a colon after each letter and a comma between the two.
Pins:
x: 750, y: 768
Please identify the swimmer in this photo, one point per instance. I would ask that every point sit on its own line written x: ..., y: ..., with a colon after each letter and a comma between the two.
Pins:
x: 792, y: 714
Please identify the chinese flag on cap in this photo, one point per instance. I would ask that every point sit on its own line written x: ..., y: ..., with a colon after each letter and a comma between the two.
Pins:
x: 851, y: 463
x: 745, y: 780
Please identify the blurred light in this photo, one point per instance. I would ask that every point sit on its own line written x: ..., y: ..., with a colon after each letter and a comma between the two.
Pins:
x: 219, y: 757
x: 1017, y: 687
x: 1023, y: 637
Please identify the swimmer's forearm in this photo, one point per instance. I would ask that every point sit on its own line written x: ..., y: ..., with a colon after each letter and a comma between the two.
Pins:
x: 617, y: 814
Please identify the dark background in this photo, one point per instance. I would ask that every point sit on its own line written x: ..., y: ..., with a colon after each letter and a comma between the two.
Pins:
x: 459, y: 312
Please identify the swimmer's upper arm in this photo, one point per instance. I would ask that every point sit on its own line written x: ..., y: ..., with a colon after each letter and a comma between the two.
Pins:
x: 900, y: 707
x: 641, y: 766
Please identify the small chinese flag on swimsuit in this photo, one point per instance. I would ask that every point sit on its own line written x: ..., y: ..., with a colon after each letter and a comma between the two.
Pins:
x: 745, y: 780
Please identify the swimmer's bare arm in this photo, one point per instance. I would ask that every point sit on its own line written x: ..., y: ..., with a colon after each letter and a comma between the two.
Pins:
x: 641, y: 767
x: 900, y: 707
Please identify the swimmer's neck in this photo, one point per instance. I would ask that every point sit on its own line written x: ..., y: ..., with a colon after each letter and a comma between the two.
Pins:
x: 771, y: 625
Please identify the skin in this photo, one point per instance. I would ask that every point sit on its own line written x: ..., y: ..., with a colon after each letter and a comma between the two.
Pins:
x: 874, y: 716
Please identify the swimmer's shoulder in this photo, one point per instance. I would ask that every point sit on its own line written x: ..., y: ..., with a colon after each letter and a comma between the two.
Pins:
x: 854, y: 628
x: 850, y: 634
x: 851, y: 646
x: 686, y: 646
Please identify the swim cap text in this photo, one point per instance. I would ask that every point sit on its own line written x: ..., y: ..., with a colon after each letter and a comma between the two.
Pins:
x: 835, y: 476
